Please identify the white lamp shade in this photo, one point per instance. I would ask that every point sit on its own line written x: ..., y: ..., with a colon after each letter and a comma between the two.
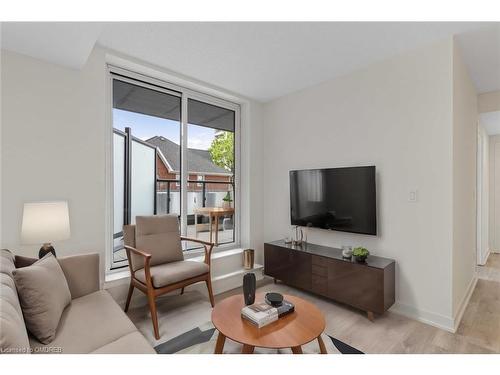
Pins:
x: 45, y: 222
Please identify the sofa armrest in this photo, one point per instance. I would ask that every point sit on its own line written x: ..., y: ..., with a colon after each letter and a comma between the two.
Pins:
x: 82, y: 273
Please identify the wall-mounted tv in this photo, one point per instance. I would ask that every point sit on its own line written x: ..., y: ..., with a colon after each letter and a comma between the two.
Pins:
x: 341, y: 199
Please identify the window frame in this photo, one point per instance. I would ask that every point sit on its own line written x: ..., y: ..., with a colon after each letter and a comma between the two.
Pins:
x: 114, y: 72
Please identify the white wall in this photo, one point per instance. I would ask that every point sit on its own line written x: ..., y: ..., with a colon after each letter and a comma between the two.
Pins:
x: 396, y: 115
x: 494, y: 196
x: 464, y: 180
x: 256, y: 185
x: 53, y: 147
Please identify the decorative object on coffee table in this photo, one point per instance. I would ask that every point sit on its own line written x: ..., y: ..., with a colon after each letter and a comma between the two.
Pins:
x: 45, y: 222
x: 360, y: 254
x: 248, y: 259
x: 249, y: 286
x: 293, y: 330
x: 274, y: 299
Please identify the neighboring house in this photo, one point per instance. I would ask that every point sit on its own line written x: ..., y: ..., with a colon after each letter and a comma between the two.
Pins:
x: 199, y: 162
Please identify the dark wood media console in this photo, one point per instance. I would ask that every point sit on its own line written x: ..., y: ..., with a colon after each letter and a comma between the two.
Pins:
x: 322, y: 270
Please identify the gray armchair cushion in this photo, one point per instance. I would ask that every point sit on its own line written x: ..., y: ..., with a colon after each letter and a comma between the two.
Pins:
x: 159, y: 236
x: 171, y: 273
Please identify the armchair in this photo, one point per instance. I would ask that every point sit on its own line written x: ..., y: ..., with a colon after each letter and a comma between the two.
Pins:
x: 156, y: 260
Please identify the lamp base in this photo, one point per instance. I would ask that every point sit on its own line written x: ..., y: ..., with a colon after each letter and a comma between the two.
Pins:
x: 45, y: 249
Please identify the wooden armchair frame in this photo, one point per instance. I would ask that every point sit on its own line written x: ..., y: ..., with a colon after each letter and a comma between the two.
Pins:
x: 152, y: 292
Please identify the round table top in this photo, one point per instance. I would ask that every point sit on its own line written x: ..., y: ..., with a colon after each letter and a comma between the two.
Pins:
x: 214, y: 210
x: 305, y: 324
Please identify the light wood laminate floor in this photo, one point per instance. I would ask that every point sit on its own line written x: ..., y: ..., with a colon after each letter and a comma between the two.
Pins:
x: 479, y: 331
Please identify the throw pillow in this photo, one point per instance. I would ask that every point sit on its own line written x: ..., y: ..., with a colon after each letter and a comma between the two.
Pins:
x: 44, y: 294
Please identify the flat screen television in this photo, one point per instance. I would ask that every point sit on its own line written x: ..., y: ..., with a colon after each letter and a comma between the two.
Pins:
x: 341, y: 199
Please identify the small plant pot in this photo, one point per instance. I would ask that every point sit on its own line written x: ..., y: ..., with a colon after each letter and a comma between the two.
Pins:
x: 361, y: 259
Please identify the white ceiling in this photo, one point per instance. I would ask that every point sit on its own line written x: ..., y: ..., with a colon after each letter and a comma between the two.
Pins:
x: 481, y: 52
x: 491, y: 122
x: 64, y: 43
x: 262, y: 61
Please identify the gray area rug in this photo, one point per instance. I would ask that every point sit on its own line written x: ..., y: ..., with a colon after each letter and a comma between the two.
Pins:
x: 201, y: 340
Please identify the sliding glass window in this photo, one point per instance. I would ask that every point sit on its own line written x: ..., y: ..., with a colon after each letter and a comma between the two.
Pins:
x: 210, y: 159
x: 164, y: 165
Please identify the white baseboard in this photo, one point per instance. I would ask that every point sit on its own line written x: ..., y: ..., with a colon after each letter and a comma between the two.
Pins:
x: 464, y: 303
x: 485, y: 257
x: 437, y: 320
x: 427, y: 317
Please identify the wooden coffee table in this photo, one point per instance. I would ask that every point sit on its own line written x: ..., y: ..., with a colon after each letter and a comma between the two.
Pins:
x: 304, y: 325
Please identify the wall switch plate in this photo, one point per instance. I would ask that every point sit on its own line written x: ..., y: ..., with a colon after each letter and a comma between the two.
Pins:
x: 413, y: 196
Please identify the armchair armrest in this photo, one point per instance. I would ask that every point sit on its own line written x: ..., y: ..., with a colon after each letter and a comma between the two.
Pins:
x: 146, y: 258
x: 82, y: 273
x: 209, y: 246
x: 137, y: 252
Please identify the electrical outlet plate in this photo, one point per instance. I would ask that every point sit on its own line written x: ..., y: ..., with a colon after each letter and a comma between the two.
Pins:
x: 413, y: 196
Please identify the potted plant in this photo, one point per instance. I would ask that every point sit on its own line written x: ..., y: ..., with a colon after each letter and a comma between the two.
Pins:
x: 360, y: 254
x: 226, y: 201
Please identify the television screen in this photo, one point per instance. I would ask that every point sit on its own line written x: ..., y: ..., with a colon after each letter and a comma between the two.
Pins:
x: 342, y: 199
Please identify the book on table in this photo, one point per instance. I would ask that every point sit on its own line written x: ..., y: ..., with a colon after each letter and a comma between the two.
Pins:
x: 261, y: 314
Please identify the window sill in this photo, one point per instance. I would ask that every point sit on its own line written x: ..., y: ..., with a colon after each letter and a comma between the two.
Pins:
x: 200, y: 252
x: 215, y: 255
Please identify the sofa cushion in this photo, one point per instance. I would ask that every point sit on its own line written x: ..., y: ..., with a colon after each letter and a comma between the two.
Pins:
x: 170, y: 273
x: 13, y: 333
x: 133, y: 342
x: 82, y: 273
x: 89, y: 323
x: 44, y: 294
x: 159, y: 236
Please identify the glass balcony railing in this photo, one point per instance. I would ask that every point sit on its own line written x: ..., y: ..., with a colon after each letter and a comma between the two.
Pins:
x: 200, y: 194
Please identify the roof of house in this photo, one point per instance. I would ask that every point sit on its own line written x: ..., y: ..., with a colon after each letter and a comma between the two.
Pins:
x: 199, y: 161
